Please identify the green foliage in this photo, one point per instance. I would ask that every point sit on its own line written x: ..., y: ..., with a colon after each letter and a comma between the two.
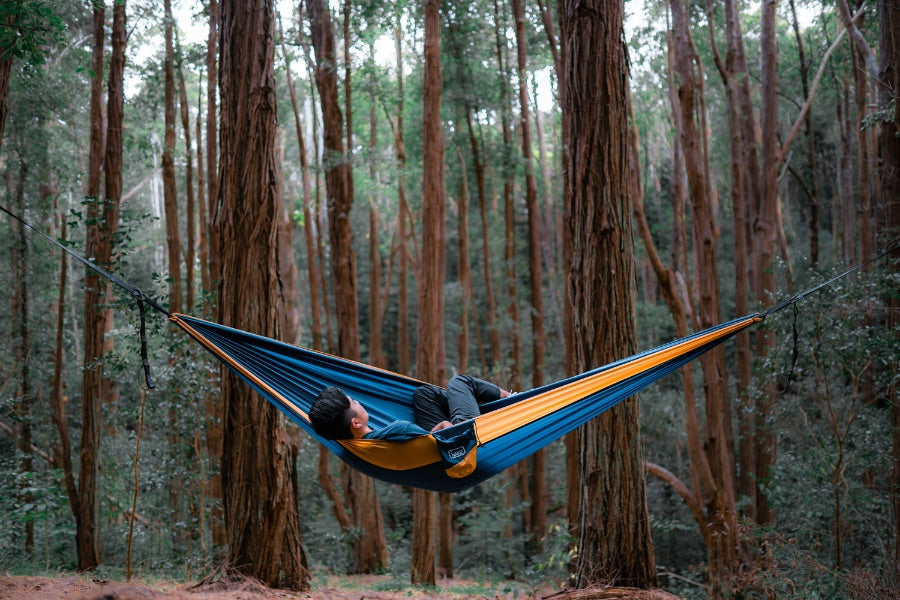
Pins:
x: 27, y: 27
x: 837, y: 430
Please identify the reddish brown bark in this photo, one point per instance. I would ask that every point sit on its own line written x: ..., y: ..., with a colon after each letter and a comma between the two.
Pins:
x: 98, y: 239
x: 308, y: 224
x: 376, y: 351
x: 430, y: 358
x: 613, y: 529
x: 734, y: 73
x: 715, y: 470
x: 445, y: 526
x: 170, y: 192
x: 62, y: 452
x: 403, y: 348
x: 811, y: 158
x: 21, y: 344
x: 465, y: 265
x: 289, y: 309
x: 370, y: 549
x: 338, y: 180
x: 765, y: 233
x: 260, y: 503
x: 573, y: 490
x: 859, y: 55
x: 538, y: 487
x: 189, y: 206
x: 173, y: 246
x: 212, y: 187
x: 201, y: 222
x: 490, y: 312
x: 6, y: 62
x: 212, y: 402
x: 889, y: 203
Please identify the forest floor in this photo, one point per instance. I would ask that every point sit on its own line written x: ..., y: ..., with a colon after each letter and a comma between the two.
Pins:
x: 368, y: 587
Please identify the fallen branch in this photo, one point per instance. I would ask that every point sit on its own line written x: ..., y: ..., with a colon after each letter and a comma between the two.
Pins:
x: 681, y: 489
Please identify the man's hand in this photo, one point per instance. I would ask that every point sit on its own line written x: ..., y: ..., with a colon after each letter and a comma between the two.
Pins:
x: 441, y: 425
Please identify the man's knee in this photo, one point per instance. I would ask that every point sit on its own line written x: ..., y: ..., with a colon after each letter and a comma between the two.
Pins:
x: 425, y: 394
x: 428, y: 406
x: 462, y: 381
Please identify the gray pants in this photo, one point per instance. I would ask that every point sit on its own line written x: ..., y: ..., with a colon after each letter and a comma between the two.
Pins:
x: 459, y: 402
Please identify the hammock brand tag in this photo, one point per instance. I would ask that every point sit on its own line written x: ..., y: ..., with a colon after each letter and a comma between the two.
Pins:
x: 457, y: 452
x: 458, y: 447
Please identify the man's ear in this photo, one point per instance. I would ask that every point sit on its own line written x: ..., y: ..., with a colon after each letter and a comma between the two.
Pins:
x: 355, y: 423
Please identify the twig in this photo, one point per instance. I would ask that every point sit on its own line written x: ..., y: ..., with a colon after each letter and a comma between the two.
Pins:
x: 137, y: 455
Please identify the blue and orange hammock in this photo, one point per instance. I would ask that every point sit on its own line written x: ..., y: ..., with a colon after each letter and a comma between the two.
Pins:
x: 510, y: 429
x: 461, y: 456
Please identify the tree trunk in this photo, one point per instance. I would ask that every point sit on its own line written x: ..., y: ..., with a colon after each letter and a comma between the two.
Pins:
x: 212, y: 175
x: 213, y: 404
x: 6, y: 61
x: 465, y: 265
x: 430, y: 357
x: 718, y: 488
x: 509, y: 216
x: 62, y: 452
x: 573, y: 489
x: 189, y: 208
x: 863, y: 135
x: 260, y: 503
x: 98, y: 237
x: 21, y: 350
x: 308, y: 225
x: 863, y: 60
x: 173, y: 246
x: 289, y: 309
x: 348, y: 104
x: 765, y: 232
x: 403, y: 351
x: 490, y: 299
x: 538, y: 488
x: 733, y: 73
x: 201, y: 226
x: 370, y: 550
x: 613, y: 530
x: 813, y: 179
x: 376, y: 351
x: 889, y: 80
x: 170, y: 192
x: 844, y: 224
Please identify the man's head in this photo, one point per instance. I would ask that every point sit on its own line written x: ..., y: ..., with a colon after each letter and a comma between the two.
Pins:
x: 335, y: 416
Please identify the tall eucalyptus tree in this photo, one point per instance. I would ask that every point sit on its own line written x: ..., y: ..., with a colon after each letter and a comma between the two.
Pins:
x: 261, y: 518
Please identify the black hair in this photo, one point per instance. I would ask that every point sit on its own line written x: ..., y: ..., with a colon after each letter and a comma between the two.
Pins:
x: 330, y: 414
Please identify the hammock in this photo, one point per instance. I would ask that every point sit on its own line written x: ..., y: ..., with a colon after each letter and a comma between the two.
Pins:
x: 456, y: 458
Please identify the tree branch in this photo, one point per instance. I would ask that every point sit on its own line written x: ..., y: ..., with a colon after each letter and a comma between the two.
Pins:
x: 692, y: 502
x: 785, y: 147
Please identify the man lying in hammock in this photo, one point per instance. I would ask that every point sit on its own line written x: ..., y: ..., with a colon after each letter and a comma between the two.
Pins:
x: 336, y: 416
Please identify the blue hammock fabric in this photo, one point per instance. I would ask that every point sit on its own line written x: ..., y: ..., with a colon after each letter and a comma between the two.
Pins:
x: 291, y: 377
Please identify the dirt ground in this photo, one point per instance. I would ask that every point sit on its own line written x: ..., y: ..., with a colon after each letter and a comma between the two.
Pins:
x: 346, y: 588
x: 370, y: 587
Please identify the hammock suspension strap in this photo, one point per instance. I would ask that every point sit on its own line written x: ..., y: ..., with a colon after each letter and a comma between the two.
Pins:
x: 141, y: 298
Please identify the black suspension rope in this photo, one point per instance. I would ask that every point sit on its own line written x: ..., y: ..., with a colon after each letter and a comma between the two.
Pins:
x: 141, y: 298
x: 793, y: 300
x: 801, y: 295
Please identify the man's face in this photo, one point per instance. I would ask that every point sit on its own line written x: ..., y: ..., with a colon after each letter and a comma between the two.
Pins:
x: 359, y: 418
